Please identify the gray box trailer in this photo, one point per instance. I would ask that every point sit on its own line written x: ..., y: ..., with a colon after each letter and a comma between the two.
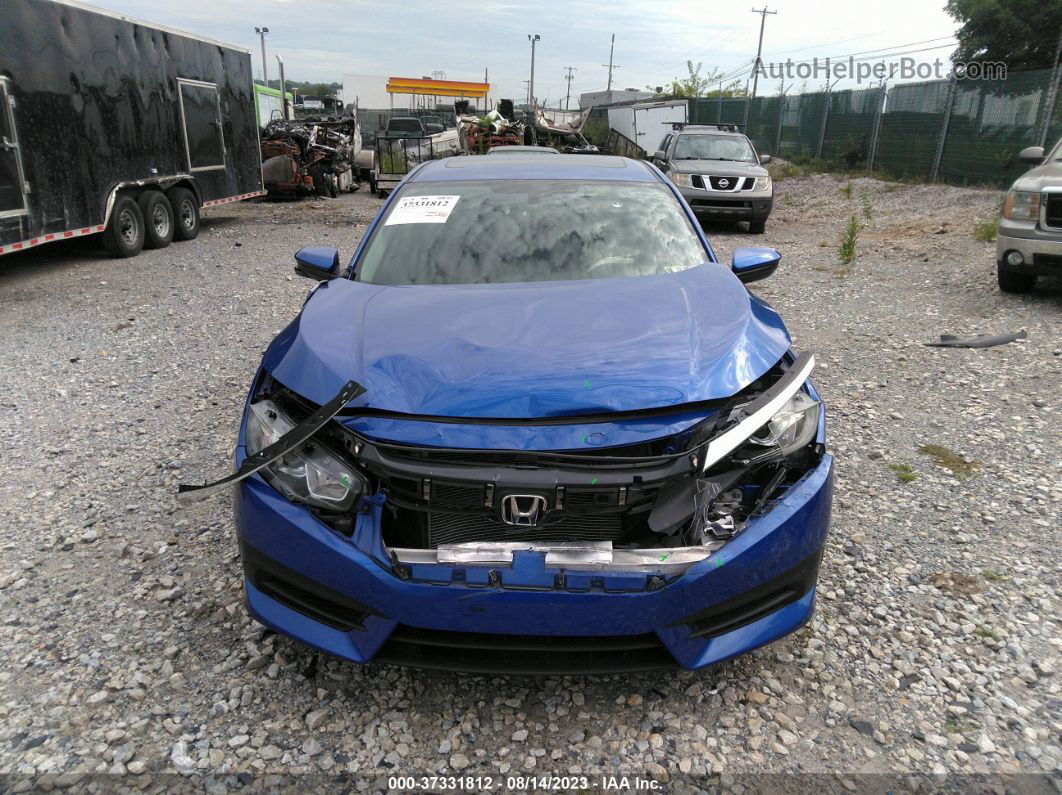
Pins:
x: 117, y: 127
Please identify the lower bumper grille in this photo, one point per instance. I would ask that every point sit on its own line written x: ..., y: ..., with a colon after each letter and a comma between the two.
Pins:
x: 457, y: 528
x: 305, y: 596
x: 473, y: 652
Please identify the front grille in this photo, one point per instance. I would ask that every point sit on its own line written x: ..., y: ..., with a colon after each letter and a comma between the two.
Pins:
x: 731, y: 182
x: 719, y: 203
x: 459, y: 528
x: 475, y: 652
x: 1053, y: 209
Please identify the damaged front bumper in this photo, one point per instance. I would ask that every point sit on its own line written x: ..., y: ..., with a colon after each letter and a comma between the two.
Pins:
x: 536, y: 612
x: 418, y: 575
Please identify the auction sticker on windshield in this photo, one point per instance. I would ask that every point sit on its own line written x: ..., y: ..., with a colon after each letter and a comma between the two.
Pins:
x: 422, y: 210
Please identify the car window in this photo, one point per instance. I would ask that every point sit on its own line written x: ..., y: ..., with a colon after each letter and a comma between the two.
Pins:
x: 475, y: 232
x: 664, y: 144
x: 714, y: 147
x: 404, y: 125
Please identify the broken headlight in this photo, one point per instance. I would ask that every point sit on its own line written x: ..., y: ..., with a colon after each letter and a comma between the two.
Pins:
x: 309, y: 473
x: 793, y: 427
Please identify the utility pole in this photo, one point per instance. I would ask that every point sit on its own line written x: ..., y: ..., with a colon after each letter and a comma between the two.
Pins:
x: 265, y: 74
x: 531, y: 84
x: 763, y: 12
x: 611, y: 65
x: 569, y: 70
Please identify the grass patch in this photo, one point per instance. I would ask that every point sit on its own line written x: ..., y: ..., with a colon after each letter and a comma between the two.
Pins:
x: 788, y: 200
x: 985, y: 230
x: 847, y: 250
x: 948, y: 459
x: 985, y: 632
x: 992, y: 574
x: 846, y: 190
x: 905, y: 473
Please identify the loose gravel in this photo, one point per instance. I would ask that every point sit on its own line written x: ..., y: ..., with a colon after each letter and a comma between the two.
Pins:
x: 126, y: 651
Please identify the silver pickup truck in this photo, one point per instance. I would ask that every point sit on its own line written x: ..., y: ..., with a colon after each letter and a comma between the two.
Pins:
x: 1029, y: 242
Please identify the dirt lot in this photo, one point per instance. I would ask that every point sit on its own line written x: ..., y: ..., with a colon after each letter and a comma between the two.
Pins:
x: 125, y: 649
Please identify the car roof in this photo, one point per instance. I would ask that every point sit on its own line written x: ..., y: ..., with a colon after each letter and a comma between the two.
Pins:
x: 597, y: 168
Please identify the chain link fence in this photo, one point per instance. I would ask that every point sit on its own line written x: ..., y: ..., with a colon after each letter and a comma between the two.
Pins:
x: 964, y: 132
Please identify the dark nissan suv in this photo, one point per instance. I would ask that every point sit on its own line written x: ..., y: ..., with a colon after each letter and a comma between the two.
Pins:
x: 718, y: 172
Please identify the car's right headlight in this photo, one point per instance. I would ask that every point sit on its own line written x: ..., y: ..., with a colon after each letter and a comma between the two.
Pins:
x: 309, y: 473
x: 682, y: 180
x: 1022, y: 205
x: 793, y: 427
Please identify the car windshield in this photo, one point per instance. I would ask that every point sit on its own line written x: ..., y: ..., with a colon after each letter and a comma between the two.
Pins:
x: 714, y: 147
x: 404, y: 125
x: 477, y: 232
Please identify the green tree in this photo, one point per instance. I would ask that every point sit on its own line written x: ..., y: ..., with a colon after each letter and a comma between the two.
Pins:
x: 697, y: 85
x: 1021, y: 33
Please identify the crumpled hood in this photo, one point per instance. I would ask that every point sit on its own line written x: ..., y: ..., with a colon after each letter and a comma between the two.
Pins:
x: 531, y: 350
x: 721, y: 168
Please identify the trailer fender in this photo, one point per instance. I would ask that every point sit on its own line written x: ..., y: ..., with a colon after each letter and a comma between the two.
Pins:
x: 162, y: 183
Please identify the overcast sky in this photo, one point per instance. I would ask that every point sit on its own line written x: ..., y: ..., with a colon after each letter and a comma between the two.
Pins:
x: 321, y: 40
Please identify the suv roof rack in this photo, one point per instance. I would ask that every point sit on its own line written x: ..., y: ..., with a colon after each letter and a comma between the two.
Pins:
x: 682, y: 125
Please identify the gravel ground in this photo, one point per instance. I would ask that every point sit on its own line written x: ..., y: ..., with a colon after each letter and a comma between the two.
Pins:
x: 126, y: 649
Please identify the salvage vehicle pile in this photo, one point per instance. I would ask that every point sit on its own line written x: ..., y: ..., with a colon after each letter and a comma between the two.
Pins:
x: 314, y: 156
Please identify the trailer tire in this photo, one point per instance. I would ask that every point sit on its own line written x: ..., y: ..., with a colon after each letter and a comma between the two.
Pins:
x: 158, y: 218
x: 185, y: 213
x: 124, y: 235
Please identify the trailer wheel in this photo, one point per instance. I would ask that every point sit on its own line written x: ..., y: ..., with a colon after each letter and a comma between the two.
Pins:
x: 185, y: 213
x: 124, y: 235
x: 158, y: 219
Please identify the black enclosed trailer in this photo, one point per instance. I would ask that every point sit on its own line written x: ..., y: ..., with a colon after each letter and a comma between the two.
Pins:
x: 117, y: 127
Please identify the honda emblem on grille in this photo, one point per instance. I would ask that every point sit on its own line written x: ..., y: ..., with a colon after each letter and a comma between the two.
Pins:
x: 724, y: 183
x: 523, y: 510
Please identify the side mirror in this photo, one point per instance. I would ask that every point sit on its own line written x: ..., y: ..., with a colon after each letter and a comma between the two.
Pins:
x: 752, y: 264
x: 765, y: 159
x: 317, y: 262
x: 660, y: 155
x: 1032, y: 154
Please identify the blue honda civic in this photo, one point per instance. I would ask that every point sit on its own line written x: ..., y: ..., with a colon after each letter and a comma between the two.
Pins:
x: 533, y: 426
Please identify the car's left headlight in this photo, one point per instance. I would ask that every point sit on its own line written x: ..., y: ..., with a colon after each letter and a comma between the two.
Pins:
x: 793, y: 427
x: 1022, y: 205
x: 682, y: 180
x: 310, y: 473
x: 762, y: 183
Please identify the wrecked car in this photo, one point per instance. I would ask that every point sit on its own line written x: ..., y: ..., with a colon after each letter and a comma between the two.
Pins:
x: 533, y: 426
x: 320, y: 156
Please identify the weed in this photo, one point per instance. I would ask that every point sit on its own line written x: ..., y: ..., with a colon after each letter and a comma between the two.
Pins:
x: 986, y: 632
x: 846, y: 190
x: 868, y: 207
x: 847, y: 249
x: 788, y: 200
x: 905, y: 473
x: 985, y: 230
x: 950, y: 460
x: 992, y: 574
